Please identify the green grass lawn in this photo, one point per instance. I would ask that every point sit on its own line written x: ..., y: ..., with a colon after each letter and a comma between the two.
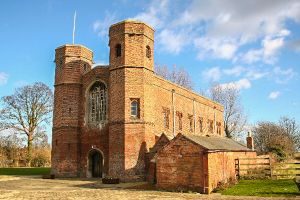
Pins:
x: 268, y: 188
x: 25, y: 171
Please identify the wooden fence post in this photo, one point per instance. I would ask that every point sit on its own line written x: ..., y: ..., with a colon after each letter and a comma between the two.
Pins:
x: 271, y: 171
x: 237, y: 167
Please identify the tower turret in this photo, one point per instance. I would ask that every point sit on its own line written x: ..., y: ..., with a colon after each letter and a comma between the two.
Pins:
x: 131, y: 71
x: 131, y: 45
x: 71, y: 62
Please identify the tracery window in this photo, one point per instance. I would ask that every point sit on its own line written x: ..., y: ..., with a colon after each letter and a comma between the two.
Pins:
x: 97, y: 102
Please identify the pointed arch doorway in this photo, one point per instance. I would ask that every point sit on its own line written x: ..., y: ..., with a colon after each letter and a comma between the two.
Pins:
x: 95, y: 163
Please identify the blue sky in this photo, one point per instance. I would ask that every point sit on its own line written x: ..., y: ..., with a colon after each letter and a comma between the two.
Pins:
x: 252, y: 45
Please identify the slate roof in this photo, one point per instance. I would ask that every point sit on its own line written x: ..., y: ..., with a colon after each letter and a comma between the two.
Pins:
x: 217, y: 143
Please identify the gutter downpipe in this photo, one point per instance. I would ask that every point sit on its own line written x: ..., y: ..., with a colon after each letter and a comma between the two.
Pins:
x: 173, y: 107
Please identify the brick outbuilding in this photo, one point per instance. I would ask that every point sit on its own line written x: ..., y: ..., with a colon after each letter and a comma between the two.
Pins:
x: 198, y: 163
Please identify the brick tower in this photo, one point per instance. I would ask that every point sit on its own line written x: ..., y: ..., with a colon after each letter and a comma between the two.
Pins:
x: 131, y: 120
x: 71, y: 62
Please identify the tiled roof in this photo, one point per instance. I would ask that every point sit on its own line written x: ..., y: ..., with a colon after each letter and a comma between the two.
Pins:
x: 217, y: 143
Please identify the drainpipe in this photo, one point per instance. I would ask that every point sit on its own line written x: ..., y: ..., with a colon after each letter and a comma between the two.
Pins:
x: 173, y: 108
x: 215, y: 119
x: 194, y: 115
x: 205, y: 172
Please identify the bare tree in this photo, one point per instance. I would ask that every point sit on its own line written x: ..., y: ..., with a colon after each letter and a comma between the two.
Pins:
x: 10, y: 146
x: 26, y: 110
x: 292, y: 129
x: 234, y: 117
x: 280, y: 138
x: 178, y: 76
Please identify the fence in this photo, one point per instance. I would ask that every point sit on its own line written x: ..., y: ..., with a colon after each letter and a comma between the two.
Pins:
x: 286, y: 170
x: 261, y: 167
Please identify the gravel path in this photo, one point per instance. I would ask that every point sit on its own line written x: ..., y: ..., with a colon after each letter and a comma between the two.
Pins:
x: 14, y: 187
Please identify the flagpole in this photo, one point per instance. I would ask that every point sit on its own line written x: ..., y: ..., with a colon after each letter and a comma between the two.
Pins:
x: 74, y: 26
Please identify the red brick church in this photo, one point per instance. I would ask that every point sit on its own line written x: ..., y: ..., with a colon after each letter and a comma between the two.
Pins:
x: 122, y: 120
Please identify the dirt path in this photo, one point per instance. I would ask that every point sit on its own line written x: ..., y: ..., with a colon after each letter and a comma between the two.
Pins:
x: 14, y: 187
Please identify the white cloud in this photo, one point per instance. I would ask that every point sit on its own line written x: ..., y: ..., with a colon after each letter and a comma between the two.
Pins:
x: 101, y: 27
x: 228, y: 24
x: 235, y: 71
x: 218, y: 29
x: 3, y: 78
x: 283, y: 75
x: 270, y: 47
x: 173, y: 42
x: 250, y: 73
x: 239, y: 85
x: 155, y: 14
x: 212, y: 74
x: 255, y: 74
x: 274, y: 95
x: 252, y: 56
x: 208, y: 46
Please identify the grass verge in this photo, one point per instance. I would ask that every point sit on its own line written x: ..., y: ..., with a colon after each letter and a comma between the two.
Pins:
x: 25, y: 171
x: 264, y: 188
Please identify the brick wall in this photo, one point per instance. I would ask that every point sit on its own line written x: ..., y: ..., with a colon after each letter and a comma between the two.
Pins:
x: 188, y: 104
x: 179, y: 166
x: 221, y: 166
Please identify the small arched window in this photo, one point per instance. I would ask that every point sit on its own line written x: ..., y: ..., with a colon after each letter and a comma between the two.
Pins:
x: 97, y: 102
x: 134, y: 108
x: 118, y: 50
x: 148, y: 51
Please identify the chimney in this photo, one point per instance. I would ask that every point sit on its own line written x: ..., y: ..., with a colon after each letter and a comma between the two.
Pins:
x: 250, y: 144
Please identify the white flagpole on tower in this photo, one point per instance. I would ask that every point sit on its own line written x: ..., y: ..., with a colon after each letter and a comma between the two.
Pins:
x: 74, y: 26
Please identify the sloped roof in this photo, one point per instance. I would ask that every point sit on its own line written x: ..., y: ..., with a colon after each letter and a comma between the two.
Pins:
x: 217, y: 143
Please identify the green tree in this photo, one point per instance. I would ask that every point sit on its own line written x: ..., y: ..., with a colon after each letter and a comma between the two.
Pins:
x: 26, y: 111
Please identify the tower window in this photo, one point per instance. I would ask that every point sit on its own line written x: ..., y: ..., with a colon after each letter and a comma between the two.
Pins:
x: 135, y: 106
x: 118, y: 50
x: 97, y: 102
x: 148, y: 52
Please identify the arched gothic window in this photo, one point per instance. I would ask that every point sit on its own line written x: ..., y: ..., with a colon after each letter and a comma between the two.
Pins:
x: 97, y: 102
x: 148, y: 52
x: 118, y: 50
